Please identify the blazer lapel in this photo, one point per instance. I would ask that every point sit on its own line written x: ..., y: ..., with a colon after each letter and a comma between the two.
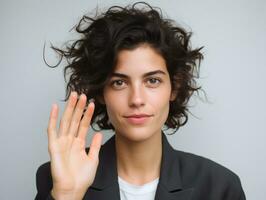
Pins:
x: 105, y: 185
x: 170, y: 183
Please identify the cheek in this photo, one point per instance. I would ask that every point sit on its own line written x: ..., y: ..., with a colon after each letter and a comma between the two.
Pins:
x: 114, y: 106
x: 160, y: 103
x: 114, y: 100
x: 164, y: 111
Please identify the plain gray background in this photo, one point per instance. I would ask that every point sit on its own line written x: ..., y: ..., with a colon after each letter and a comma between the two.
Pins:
x: 230, y: 130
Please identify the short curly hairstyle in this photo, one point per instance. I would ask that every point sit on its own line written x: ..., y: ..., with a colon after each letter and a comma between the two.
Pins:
x: 92, y: 58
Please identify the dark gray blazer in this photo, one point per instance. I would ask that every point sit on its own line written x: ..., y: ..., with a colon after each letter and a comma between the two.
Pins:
x: 183, y: 176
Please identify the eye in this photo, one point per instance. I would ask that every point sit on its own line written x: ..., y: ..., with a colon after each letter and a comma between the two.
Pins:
x: 117, y: 84
x: 154, y: 81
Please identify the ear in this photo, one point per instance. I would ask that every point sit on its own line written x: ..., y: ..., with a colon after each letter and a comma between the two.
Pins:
x: 173, y: 95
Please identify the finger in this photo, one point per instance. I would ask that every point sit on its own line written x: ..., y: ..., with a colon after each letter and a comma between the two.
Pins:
x: 68, y: 112
x: 95, y: 146
x: 75, y: 121
x: 85, y: 122
x: 51, y: 130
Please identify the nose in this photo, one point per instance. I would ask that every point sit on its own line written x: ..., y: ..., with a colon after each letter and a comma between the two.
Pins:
x: 137, y: 96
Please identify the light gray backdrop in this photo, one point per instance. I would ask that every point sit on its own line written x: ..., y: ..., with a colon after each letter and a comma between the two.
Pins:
x: 230, y: 130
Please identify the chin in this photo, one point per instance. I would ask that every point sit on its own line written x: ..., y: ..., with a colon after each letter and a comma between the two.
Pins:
x: 136, y: 134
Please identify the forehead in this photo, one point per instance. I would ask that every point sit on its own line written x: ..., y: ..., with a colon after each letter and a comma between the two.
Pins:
x: 139, y: 61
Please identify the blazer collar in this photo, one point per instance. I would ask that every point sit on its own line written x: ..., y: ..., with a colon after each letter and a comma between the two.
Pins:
x: 170, y: 169
x: 106, y: 174
x: 169, y: 182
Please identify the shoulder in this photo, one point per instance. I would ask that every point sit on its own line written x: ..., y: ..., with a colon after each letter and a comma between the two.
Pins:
x: 44, y: 181
x: 207, y: 175
x: 195, y: 163
x: 44, y: 169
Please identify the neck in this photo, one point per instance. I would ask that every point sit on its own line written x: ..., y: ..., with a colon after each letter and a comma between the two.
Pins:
x: 139, y: 162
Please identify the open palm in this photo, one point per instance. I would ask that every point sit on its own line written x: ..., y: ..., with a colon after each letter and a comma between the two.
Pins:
x: 73, y: 170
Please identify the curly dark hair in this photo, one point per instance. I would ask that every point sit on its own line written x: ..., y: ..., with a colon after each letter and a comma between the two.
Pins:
x: 92, y: 58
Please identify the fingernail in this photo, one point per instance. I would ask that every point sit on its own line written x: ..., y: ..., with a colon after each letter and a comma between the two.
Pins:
x: 73, y: 94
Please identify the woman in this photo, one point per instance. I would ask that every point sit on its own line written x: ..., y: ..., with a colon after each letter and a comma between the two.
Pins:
x: 140, y: 72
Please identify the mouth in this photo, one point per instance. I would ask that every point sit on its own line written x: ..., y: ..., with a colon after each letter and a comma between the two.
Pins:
x: 137, y: 119
x: 137, y: 116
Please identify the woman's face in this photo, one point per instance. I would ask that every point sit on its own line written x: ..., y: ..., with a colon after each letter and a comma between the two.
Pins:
x: 138, y: 93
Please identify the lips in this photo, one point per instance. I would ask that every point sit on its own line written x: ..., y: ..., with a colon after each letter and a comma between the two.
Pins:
x: 137, y: 119
x: 137, y: 116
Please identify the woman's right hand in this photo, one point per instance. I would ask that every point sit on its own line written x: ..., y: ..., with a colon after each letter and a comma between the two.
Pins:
x: 73, y: 170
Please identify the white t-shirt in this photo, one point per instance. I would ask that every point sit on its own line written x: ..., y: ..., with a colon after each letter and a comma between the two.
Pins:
x: 129, y: 191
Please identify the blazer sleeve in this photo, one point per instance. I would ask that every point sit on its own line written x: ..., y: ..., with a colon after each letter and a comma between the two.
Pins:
x: 44, y: 182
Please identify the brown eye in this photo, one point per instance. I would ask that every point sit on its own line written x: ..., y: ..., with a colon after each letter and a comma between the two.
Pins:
x: 117, y: 84
x: 154, y: 82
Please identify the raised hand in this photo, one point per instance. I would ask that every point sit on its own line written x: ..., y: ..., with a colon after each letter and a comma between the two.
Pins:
x: 73, y: 170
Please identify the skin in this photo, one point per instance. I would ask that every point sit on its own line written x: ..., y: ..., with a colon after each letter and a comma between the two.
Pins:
x: 73, y: 170
x: 138, y: 146
x: 135, y: 93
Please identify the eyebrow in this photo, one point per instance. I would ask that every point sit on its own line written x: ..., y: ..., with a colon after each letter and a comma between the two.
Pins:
x: 116, y: 74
